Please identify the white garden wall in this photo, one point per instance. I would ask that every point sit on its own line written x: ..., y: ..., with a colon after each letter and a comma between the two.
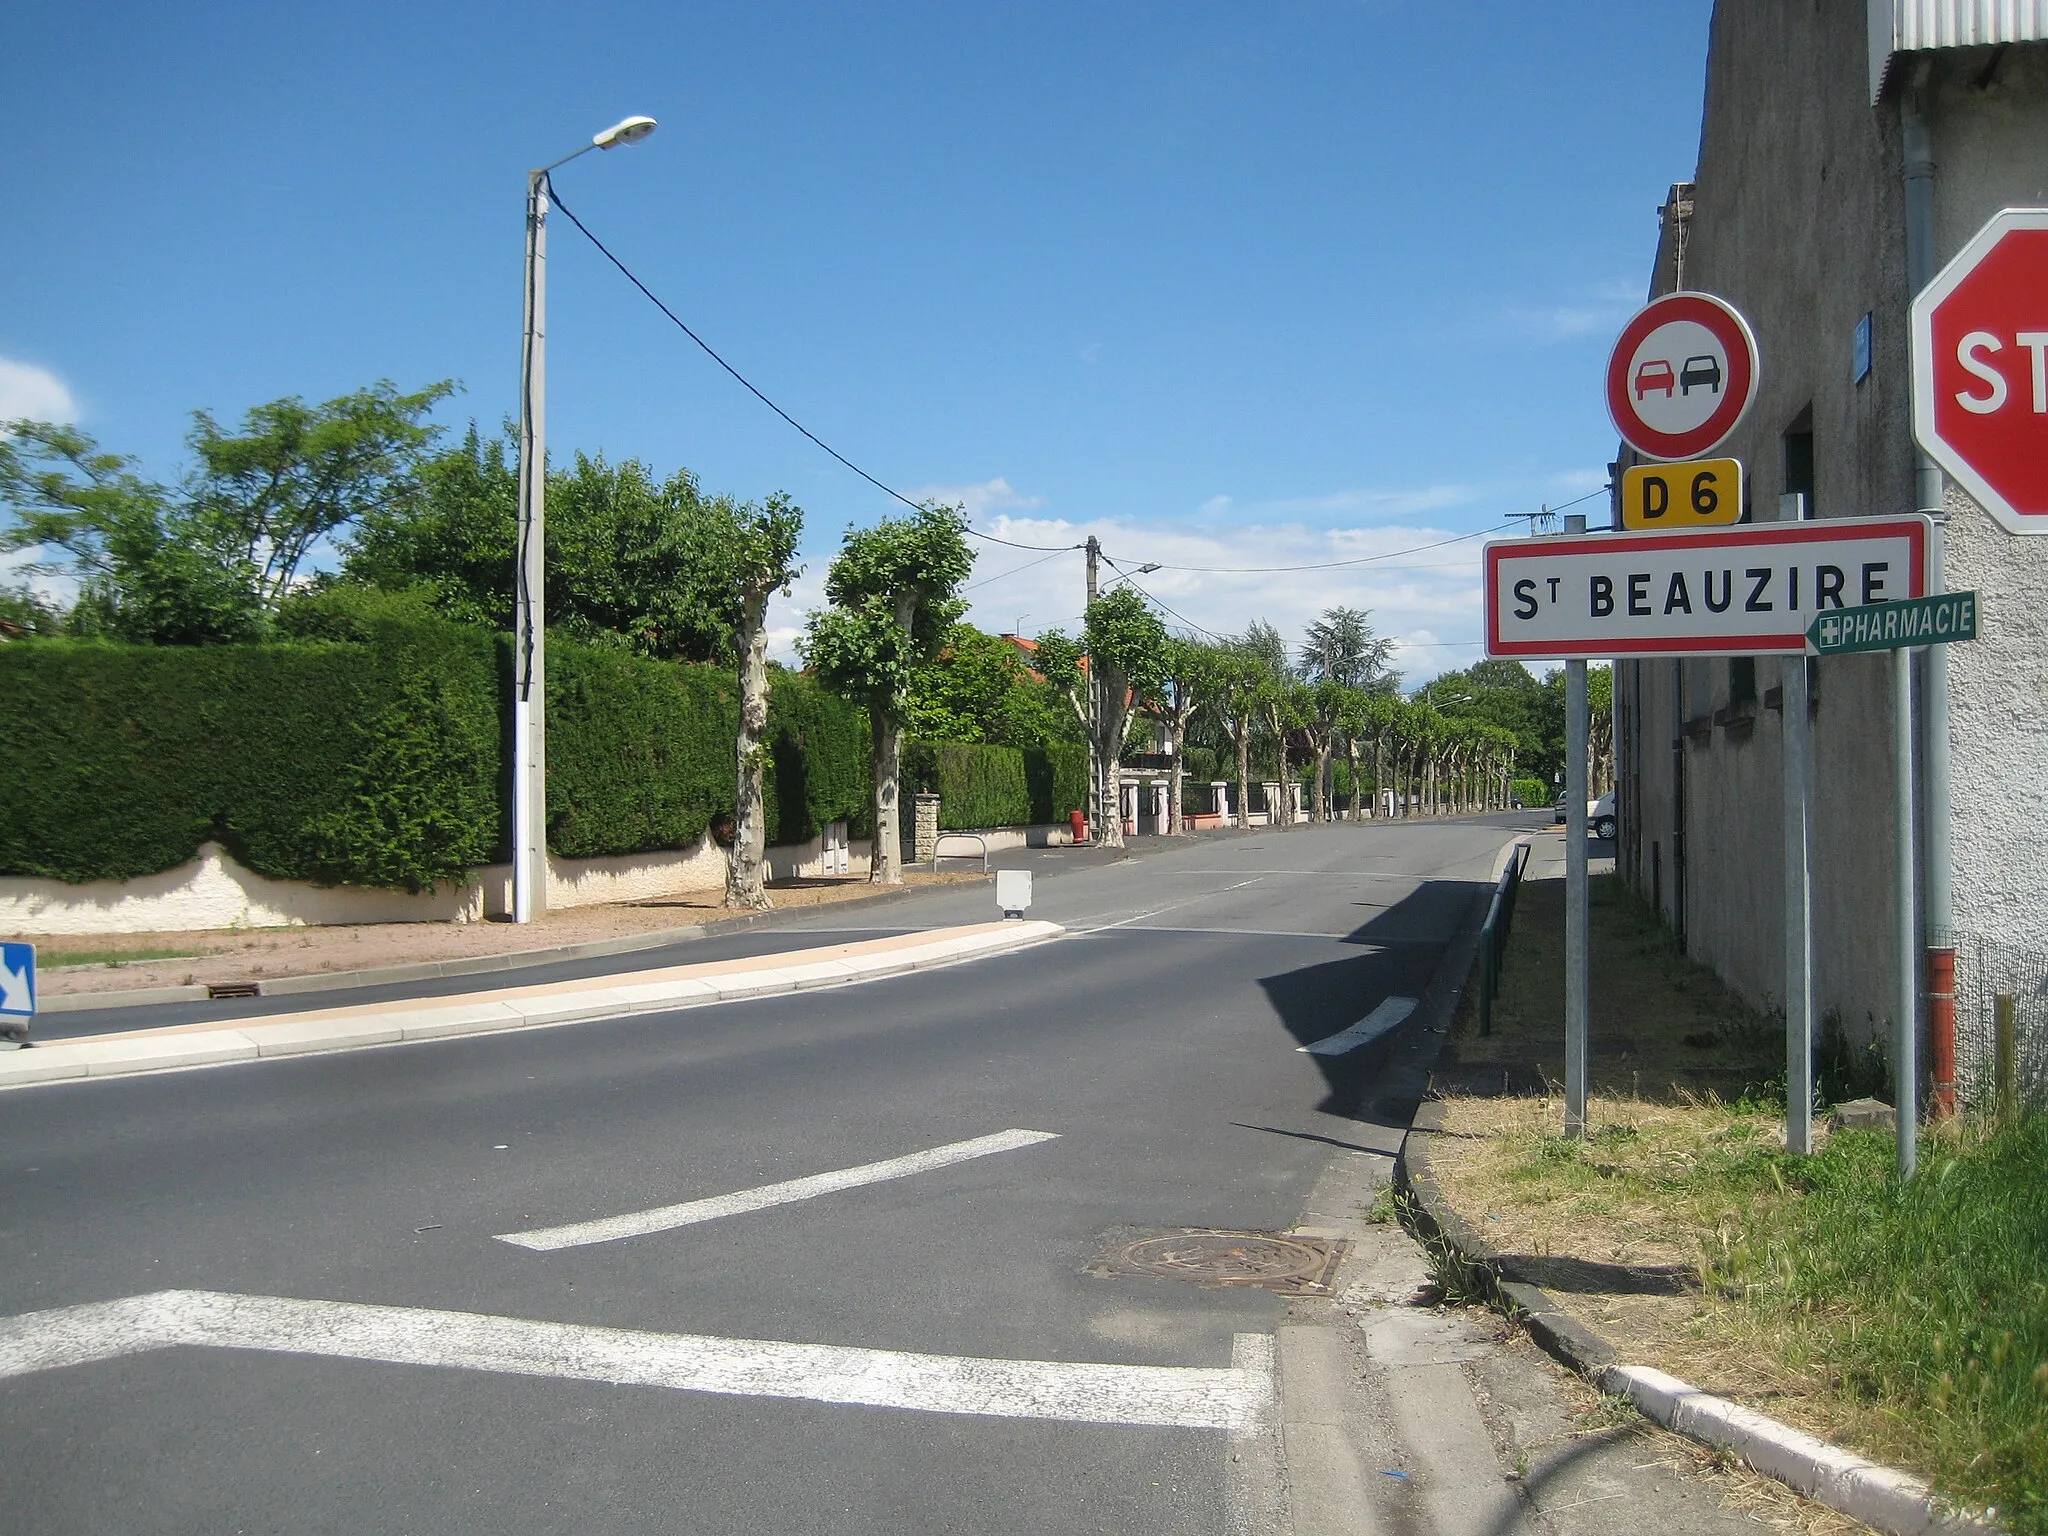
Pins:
x: 213, y: 891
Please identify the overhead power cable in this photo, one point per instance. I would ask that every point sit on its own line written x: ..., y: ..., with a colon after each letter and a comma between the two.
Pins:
x: 747, y: 384
x: 1016, y: 569
x: 1131, y: 578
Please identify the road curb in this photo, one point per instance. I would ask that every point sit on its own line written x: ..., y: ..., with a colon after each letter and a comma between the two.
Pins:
x: 1881, y: 1497
x: 473, y: 965
x: 599, y: 997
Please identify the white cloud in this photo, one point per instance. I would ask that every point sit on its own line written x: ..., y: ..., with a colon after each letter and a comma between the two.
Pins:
x: 988, y: 496
x: 1599, y: 312
x: 1579, y: 481
x: 34, y: 393
x: 1429, y: 599
x: 1217, y: 565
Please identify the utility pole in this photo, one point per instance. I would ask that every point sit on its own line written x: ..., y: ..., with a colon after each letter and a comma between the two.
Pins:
x: 529, y: 612
x: 1098, y: 773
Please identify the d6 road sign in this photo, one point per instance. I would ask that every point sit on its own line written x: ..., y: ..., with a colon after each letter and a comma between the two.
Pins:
x: 1938, y: 620
x: 1705, y: 493
x: 1741, y: 591
x: 1980, y: 368
x: 1682, y: 375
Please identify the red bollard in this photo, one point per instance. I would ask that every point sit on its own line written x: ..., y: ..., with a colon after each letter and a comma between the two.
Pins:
x: 1941, y: 1029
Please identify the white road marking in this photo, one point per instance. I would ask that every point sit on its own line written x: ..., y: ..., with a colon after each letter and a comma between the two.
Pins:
x: 1235, y: 1398
x: 1170, y: 907
x: 639, y: 1223
x: 1331, y: 874
x: 1366, y: 1030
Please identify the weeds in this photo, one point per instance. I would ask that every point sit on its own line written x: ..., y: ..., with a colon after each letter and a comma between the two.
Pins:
x: 60, y: 959
x: 1923, y: 1308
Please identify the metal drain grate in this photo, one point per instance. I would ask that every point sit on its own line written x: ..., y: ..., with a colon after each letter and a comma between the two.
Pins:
x: 1209, y: 1256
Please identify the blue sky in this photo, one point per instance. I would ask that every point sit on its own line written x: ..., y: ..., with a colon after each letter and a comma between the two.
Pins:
x: 1225, y: 285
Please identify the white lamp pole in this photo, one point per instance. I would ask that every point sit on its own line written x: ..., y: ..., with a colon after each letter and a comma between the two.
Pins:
x: 529, y: 672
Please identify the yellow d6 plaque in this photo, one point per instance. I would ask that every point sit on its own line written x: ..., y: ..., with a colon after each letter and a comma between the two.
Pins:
x: 1706, y: 493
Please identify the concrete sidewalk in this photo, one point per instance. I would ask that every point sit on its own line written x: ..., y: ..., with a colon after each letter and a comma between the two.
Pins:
x: 485, y: 1012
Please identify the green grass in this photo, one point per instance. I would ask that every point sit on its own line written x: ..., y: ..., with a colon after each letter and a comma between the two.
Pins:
x: 1929, y: 1302
x: 58, y: 959
x: 1922, y: 1307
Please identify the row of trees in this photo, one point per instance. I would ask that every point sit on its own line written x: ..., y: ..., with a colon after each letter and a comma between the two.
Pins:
x: 636, y: 560
x: 657, y: 565
x: 1337, y: 694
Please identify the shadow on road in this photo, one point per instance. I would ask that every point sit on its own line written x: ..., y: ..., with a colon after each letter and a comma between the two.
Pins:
x: 1401, y: 948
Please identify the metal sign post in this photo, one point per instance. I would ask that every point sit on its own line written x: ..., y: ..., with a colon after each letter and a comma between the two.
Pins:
x: 1798, y: 911
x: 1577, y: 889
x: 1900, y: 628
x: 1577, y: 900
x: 1798, y: 727
x: 1905, y: 1032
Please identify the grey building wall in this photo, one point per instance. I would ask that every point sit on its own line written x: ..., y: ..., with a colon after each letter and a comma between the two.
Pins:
x: 1798, y: 218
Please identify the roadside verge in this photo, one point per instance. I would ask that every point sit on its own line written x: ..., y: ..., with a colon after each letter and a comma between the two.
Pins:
x: 405, y: 1020
x: 1881, y: 1497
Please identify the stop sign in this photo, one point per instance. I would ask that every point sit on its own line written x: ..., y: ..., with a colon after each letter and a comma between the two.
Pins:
x: 1980, y: 368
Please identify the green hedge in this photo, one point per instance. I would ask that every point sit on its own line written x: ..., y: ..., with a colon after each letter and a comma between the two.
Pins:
x: 1533, y: 792
x: 990, y: 786
x: 303, y: 760
x: 371, y: 749
x: 818, y: 760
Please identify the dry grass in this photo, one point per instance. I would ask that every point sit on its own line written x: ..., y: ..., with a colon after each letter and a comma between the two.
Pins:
x: 1631, y: 1199
x: 1903, y: 1321
x: 1762, y: 1499
x: 1661, y: 1025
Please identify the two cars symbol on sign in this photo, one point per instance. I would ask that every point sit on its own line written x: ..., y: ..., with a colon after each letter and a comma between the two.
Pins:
x: 1980, y: 369
x: 1681, y: 375
x: 1702, y: 372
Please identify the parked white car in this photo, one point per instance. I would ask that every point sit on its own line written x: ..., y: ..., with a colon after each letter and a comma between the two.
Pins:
x: 1600, y: 820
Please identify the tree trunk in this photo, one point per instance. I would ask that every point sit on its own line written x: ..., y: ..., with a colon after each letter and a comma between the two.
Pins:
x: 1319, y: 794
x: 1176, y: 823
x: 1110, y: 722
x: 888, y: 860
x: 1243, y: 743
x: 1379, y: 770
x: 744, y: 886
x: 1357, y: 788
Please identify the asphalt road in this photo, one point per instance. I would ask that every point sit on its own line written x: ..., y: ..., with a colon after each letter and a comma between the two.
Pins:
x: 1157, y: 1042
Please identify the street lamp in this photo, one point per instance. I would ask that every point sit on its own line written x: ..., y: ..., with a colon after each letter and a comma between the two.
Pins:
x: 529, y: 673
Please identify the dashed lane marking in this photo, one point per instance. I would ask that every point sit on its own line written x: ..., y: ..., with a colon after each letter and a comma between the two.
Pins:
x: 639, y: 1223
x: 1236, y: 1398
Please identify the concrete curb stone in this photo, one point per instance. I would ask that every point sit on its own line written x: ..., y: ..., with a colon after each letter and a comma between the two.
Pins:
x: 476, y: 965
x: 376, y: 1025
x: 1882, y: 1497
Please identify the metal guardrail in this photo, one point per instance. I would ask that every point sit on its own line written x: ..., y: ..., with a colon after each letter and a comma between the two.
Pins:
x: 1493, y: 933
x: 940, y: 840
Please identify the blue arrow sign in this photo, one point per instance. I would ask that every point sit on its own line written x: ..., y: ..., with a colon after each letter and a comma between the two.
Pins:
x: 17, y: 981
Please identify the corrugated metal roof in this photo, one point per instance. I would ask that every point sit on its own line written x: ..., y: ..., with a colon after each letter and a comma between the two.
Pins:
x: 1904, y: 26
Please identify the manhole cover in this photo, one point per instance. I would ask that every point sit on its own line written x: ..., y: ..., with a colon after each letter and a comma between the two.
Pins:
x: 1271, y: 1261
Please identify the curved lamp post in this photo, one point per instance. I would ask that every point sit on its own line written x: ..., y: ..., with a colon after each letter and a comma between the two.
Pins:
x: 529, y: 672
